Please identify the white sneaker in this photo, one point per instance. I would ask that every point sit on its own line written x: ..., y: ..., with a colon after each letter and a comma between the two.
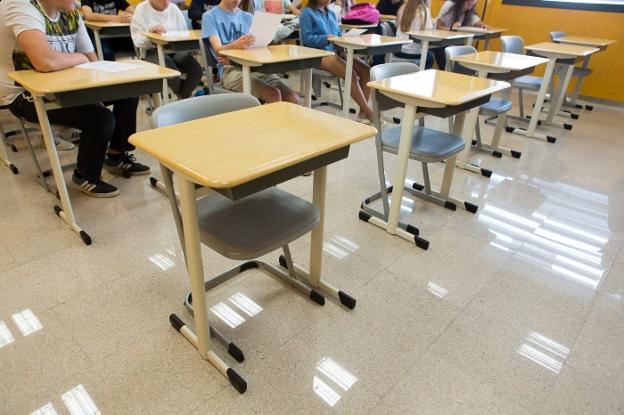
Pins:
x: 63, y: 145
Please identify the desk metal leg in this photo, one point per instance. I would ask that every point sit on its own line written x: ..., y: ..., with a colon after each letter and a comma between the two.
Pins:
x: 66, y: 212
x: 558, y: 98
x: 194, y: 263
x: 204, y: 64
x: 246, y: 79
x: 486, y: 44
x: 464, y: 126
x: 307, y: 87
x: 161, y: 62
x: 346, y: 91
x: 4, y: 156
x: 424, y: 50
x: 537, y: 109
x: 98, y: 44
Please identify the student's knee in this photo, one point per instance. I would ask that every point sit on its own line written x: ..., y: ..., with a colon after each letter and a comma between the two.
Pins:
x: 271, y: 94
x: 291, y: 96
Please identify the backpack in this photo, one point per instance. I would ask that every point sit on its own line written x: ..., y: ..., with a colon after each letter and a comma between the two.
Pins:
x: 362, y: 13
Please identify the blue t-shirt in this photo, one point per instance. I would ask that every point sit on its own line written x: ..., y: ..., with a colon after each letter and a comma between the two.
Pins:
x: 229, y: 26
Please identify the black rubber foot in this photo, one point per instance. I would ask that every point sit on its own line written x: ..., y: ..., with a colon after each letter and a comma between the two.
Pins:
x: 364, y: 216
x: 509, y: 129
x: 239, y: 383
x: 13, y: 168
x: 14, y: 148
x: 346, y: 300
x: 578, y: 106
x: 314, y: 98
x: 153, y: 181
x: 396, y: 120
x: 486, y: 172
x: 282, y: 261
x: 574, y: 116
x: 176, y: 322
x: 589, y: 107
x: 539, y: 122
x: 57, y: 210
x: 421, y: 243
x: 474, y: 142
x: 450, y: 205
x: 412, y: 229
x: 516, y: 154
x: 418, y: 186
x: 58, y: 196
x: 567, y: 126
x: 351, y: 110
x: 317, y: 297
x: 248, y: 265
x: 471, y: 207
x: 551, y: 139
x: 327, y: 84
x: 497, y: 154
x: 85, y: 238
x: 236, y: 353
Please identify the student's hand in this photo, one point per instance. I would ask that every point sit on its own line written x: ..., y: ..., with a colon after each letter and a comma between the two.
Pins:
x: 482, y: 25
x: 158, y: 29
x: 223, y: 60
x: 244, y: 42
x: 124, y: 17
x: 455, y: 25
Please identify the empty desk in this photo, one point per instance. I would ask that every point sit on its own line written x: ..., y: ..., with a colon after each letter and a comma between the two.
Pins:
x: 482, y: 33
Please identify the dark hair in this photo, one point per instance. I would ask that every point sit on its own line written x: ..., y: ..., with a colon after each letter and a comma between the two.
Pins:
x: 247, y: 5
x: 458, y: 9
x: 313, y: 4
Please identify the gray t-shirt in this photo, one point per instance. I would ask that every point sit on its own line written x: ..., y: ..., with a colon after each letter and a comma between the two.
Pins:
x: 65, y: 32
x: 446, y: 17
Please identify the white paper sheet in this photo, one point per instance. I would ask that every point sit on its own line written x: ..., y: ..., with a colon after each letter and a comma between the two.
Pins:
x: 108, y: 66
x: 176, y: 33
x: 355, y: 32
x: 263, y: 27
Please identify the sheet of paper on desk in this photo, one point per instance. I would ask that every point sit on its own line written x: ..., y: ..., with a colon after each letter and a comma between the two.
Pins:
x: 108, y: 66
x: 355, y: 32
x: 473, y: 29
x: 263, y: 27
x: 176, y: 33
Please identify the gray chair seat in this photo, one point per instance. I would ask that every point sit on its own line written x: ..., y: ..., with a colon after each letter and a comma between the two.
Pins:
x: 255, y: 225
x: 528, y: 82
x: 495, y: 106
x: 428, y: 145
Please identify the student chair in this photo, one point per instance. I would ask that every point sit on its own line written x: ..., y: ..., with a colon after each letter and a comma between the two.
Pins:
x: 428, y: 146
x: 388, y: 29
x: 4, y: 154
x: 243, y: 229
x: 495, y: 108
x: 579, y: 72
x: 515, y: 44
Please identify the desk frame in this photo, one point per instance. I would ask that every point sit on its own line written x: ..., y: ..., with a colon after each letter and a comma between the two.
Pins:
x: 107, y: 32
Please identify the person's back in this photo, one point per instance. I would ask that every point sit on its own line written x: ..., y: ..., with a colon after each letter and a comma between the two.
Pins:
x: 198, y: 8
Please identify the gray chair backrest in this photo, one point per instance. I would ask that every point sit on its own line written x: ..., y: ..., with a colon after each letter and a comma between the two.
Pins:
x: 556, y: 35
x: 453, y: 51
x: 512, y: 44
x: 387, y: 29
x: 388, y: 70
x: 200, y: 107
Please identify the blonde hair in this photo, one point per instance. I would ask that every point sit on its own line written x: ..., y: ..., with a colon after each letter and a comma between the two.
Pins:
x: 410, y: 10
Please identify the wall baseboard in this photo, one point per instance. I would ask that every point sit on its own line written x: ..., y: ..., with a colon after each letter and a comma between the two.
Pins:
x: 602, y: 101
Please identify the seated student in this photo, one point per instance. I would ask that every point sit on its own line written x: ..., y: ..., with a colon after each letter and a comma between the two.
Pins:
x: 318, y: 23
x: 160, y: 16
x: 226, y: 27
x: 50, y: 36
x: 198, y: 8
x: 414, y: 15
x: 109, y: 11
x: 456, y: 13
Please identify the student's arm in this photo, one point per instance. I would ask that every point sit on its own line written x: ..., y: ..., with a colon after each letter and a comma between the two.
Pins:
x: 292, y: 8
x: 445, y: 10
x: 139, y: 26
x: 180, y: 23
x: 209, y: 30
x: 309, y: 37
x: 42, y: 56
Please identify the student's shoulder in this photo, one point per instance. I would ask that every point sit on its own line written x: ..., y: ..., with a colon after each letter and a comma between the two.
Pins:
x: 141, y: 6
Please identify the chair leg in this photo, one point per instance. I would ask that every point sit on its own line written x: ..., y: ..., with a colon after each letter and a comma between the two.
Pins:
x: 521, y: 103
x: 40, y: 175
x: 4, y: 154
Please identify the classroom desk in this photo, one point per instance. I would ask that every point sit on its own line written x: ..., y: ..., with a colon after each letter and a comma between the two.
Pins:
x: 438, y: 38
x: 387, y: 18
x: 367, y: 45
x: 267, y: 151
x: 601, y: 44
x: 107, y: 30
x: 77, y: 86
x: 481, y: 33
x: 180, y: 41
x: 438, y: 93
x: 347, y: 26
x: 500, y: 66
x: 277, y: 59
x: 556, y: 53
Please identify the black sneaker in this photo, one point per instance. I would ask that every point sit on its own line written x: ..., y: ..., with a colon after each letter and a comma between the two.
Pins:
x: 97, y: 188
x: 126, y: 164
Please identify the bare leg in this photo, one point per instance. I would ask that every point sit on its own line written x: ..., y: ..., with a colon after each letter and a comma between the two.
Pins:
x: 337, y: 66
